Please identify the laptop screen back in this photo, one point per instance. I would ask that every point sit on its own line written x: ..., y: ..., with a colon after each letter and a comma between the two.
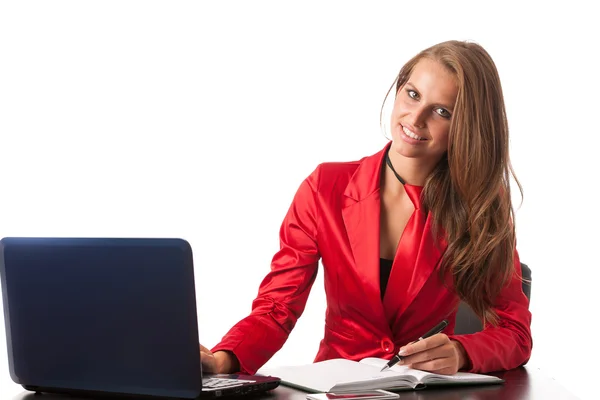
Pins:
x: 110, y: 315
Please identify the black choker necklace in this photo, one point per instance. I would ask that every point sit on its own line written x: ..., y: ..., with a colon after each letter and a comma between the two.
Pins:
x: 389, y: 163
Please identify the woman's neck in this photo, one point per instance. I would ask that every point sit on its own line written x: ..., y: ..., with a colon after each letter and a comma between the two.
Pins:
x: 414, y: 171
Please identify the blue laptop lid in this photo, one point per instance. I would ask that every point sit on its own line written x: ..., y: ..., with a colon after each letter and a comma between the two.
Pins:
x: 107, y: 315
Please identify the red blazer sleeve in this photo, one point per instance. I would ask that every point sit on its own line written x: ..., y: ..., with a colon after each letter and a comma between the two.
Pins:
x: 507, y: 345
x: 283, y: 293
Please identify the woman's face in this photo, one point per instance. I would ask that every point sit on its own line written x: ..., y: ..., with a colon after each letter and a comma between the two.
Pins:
x: 422, y: 111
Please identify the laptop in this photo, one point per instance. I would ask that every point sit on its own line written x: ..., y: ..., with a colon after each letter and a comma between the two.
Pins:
x: 108, y: 316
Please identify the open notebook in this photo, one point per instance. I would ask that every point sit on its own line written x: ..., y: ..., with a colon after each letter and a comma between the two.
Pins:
x: 340, y: 375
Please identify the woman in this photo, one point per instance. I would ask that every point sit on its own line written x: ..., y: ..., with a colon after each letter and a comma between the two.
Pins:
x: 404, y: 235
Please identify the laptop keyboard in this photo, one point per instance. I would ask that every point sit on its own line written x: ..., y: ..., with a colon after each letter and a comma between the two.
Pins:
x: 210, y: 384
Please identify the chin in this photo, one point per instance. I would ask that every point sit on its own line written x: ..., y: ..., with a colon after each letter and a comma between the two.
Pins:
x: 404, y: 150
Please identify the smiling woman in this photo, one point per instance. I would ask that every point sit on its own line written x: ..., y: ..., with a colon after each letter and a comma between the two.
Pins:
x: 422, y: 224
x: 422, y: 112
x: 452, y: 118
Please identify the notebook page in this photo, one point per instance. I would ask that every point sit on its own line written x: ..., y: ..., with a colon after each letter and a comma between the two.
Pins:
x: 425, y: 377
x: 322, y: 376
x: 378, y: 380
x: 400, y: 369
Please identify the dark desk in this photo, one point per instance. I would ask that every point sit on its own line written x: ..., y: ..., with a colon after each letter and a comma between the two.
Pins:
x: 521, y: 383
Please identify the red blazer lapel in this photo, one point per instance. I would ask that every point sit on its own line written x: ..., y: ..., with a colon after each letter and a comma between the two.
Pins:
x: 406, y: 281
x: 360, y: 211
x: 362, y: 226
x: 361, y: 215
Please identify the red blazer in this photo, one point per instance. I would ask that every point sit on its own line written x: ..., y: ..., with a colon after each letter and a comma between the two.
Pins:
x: 334, y: 217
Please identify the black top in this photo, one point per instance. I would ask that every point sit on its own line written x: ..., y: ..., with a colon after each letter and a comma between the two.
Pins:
x: 385, y: 266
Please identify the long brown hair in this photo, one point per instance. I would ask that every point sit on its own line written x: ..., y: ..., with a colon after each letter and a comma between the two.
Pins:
x: 468, y: 192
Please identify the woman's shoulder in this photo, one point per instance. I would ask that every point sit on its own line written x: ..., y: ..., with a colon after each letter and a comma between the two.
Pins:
x: 329, y: 170
x: 337, y: 169
x: 331, y: 176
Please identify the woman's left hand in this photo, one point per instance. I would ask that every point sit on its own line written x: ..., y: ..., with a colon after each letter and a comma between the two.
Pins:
x: 437, y: 354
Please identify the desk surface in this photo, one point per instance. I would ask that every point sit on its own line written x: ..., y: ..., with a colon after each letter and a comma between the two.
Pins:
x: 521, y: 383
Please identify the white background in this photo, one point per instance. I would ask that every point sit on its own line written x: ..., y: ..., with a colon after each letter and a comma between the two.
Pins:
x: 200, y: 119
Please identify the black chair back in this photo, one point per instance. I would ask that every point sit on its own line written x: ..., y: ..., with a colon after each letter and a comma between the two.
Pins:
x: 466, y: 320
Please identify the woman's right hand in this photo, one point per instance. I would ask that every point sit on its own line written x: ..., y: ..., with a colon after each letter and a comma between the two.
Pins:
x: 219, y: 362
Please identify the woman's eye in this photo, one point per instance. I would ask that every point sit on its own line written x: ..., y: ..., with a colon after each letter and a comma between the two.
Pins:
x: 443, y: 112
x: 412, y: 94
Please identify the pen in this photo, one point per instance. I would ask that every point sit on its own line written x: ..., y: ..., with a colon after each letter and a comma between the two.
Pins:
x: 433, y: 331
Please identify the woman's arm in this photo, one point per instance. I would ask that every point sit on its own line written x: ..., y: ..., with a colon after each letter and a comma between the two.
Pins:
x: 509, y: 344
x: 283, y: 292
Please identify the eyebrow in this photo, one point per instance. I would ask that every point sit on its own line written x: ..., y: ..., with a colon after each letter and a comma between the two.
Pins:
x: 417, y: 90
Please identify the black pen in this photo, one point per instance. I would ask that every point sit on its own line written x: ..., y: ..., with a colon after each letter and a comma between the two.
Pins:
x: 433, y: 331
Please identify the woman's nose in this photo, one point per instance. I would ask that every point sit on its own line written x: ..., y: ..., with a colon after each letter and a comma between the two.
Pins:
x: 417, y: 117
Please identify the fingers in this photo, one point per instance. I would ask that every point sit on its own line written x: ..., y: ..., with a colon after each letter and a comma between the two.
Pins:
x: 431, y: 342
x: 437, y: 346
x: 204, y: 350
x: 440, y: 352
x: 442, y: 371
x: 435, y: 354
x: 436, y: 364
x: 207, y: 358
